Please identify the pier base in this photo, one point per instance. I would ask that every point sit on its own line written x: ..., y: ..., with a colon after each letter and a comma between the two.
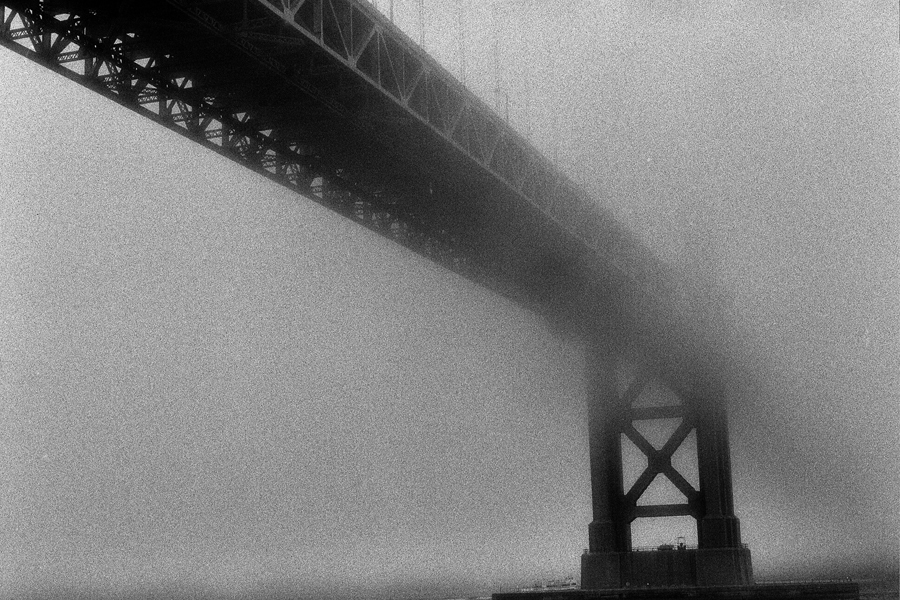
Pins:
x: 695, y: 567
x: 812, y: 590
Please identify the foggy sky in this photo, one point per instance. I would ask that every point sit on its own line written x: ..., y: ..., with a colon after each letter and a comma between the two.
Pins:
x: 770, y: 129
x: 211, y: 382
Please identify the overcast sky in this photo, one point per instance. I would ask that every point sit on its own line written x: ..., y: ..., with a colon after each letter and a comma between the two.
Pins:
x: 211, y: 383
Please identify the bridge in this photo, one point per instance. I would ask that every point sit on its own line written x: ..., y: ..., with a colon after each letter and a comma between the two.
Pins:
x: 330, y: 99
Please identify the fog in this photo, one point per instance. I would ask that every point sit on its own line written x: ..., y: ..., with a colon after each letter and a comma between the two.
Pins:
x: 213, y: 384
x: 756, y: 142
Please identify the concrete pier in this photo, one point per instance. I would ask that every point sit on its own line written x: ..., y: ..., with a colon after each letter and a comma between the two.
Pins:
x: 812, y: 590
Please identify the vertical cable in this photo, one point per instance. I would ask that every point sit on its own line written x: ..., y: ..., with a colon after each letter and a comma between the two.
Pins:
x: 461, y: 24
x: 422, y: 23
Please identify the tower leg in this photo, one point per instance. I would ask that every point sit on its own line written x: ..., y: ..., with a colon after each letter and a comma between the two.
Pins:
x: 721, y: 558
x: 609, y: 534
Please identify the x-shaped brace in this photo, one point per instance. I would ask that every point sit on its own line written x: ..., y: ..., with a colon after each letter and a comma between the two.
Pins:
x: 658, y: 461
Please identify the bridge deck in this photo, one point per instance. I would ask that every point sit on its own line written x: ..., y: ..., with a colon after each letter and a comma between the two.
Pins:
x: 329, y: 98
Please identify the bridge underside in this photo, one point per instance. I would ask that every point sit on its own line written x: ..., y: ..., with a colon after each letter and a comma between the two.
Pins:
x: 328, y: 98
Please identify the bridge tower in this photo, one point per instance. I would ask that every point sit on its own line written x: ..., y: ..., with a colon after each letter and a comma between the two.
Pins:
x: 610, y: 561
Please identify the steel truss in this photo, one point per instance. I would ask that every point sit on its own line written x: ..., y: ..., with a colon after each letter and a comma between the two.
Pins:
x: 328, y: 98
x: 113, y: 61
x: 358, y: 37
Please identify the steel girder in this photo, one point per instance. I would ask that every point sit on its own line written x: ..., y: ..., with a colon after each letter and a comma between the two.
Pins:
x: 362, y: 40
x: 330, y: 99
x: 191, y: 92
x: 359, y: 38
